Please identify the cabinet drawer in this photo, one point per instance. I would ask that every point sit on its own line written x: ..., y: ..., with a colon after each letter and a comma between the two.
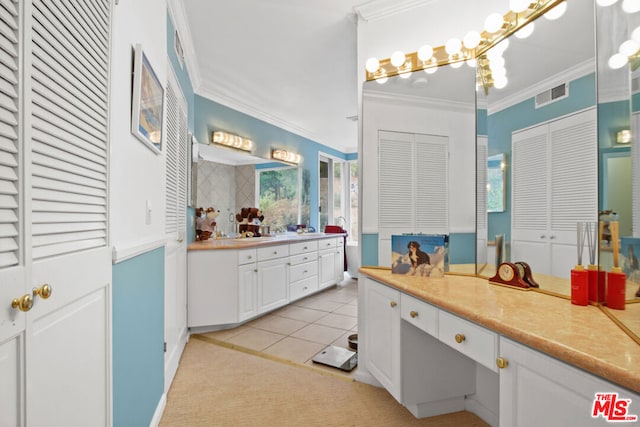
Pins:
x: 326, y: 244
x: 302, y: 258
x: 476, y: 342
x: 273, y: 252
x: 303, y: 288
x: 420, y: 314
x: 246, y: 256
x: 303, y: 247
x: 303, y: 271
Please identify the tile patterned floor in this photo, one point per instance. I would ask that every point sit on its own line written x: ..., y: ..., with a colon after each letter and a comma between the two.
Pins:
x: 300, y: 330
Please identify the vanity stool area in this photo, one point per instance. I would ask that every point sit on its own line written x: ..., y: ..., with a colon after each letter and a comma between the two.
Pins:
x: 231, y: 281
x: 514, y: 358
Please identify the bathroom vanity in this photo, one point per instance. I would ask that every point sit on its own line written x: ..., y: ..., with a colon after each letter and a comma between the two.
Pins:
x: 513, y: 357
x: 234, y: 280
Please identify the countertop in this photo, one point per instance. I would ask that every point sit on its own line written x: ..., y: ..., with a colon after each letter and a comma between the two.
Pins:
x: 582, y: 336
x: 253, y: 242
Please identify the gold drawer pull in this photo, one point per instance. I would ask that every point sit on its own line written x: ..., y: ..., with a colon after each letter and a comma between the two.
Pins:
x: 460, y: 338
x: 43, y: 291
x: 502, y: 363
x: 23, y: 304
x: 413, y: 314
x: 393, y: 304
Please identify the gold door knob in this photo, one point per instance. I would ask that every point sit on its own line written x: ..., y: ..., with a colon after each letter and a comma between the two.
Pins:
x: 413, y: 314
x: 43, y: 291
x: 460, y: 338
x: 23, y: 304
x: 393, y: 304
x: 502, y: 363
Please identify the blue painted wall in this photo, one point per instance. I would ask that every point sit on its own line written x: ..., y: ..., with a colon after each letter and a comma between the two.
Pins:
x: 138, y: 338
x: 500, y: 126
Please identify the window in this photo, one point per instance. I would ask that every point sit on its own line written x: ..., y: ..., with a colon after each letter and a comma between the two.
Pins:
x: 284, y: 196
x: 338, y: 194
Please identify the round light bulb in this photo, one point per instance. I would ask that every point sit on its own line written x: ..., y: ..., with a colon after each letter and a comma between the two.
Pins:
x: 605, y: 3
x: 635, y: 34
x: 431, y: 70
x: 456, y: 64
x: 472, y: 62
x: 493, y: 22
x: 398, y: 58
x: 453, y: 46
x: 617, y: 60
x: 557, y: 11
x: 497, y: 62
x: 471, y: 39
x: 525, y: 31
x: 425, y: 53
x: 631, y: 6
x: 518, y: 6
x: 629, y: 47
x: 499, y: 83
x: 382, y: 80
x: 372, y: 65
x: 405, y: 75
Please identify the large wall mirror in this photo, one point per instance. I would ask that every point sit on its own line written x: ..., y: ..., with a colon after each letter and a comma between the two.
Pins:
x: 560, y: 120
x: 419, y: 163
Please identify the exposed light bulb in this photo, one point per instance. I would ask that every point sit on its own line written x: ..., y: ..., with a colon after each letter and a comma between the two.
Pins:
x: 525, y: 31
x: 518, y: 6
x: 431, y: 70
x: 500, y: 82
x: 605, y: 3
x: 631, y: 6
x: 398, y: 58
x: 471, y: 62
x: 456, y: 64
x: 471, y: 39
x: 617, y: 60
x: 382, y: 80
x: 425, y: 53
x: 372, y: 65
x: 453, y: 46
x: 557, y: 11
x: 629, y: 47
x: 635, y: 34
x: 405, y: 75
x: 493, y: 22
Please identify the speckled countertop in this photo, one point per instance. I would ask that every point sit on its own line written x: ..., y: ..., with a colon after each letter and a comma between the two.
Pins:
x: 254, y: 242
x: 579, y: 335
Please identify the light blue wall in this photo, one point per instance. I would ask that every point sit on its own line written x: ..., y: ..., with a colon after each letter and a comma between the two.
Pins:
x: 210, y: 116
x: 502, y: 124
x: 138, y: 338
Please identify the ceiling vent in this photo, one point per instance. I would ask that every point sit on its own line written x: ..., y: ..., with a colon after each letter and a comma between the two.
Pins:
x: 552, y: 95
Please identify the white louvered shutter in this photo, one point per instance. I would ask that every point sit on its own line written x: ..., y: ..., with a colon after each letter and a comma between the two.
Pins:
x: 9, y: 185
x: 176, y: 160
x: 69, y: 126
x: 431, y: 170
x: 481, y: 186
x: 396, y: 185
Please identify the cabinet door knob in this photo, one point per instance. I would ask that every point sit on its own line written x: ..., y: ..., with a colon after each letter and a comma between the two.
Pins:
x: 393, y: 304
x: 502, y: 363
x: 43, y: 291
x: 460, y: 338
x: 23, y: 304
x: 413, y: 314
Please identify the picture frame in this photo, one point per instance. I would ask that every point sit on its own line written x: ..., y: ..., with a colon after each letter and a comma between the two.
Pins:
x: 420, y: 254
x: 147, y: 102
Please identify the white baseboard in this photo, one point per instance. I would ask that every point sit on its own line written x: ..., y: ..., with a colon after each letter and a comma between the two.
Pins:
x: 157, y: 415
x: 487, y: 415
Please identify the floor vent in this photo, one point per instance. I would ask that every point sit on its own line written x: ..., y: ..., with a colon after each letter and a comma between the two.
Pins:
x: 552, y: 95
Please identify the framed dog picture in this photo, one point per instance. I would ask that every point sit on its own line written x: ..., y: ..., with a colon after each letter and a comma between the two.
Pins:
x: 420, y: 254
x: 147, y: 102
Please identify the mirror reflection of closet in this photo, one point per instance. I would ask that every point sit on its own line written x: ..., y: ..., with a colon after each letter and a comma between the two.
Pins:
x: 496, y: 183
x: 536, y: 120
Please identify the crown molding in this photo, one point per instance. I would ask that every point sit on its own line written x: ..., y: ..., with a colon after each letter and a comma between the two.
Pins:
x: 378, y: 9
x: 179, y: 17
x: 420, y: 102
x: 566, y: 76
x: 223, y: 95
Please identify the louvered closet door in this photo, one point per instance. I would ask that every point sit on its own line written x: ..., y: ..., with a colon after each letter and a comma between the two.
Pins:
x: 431, y: 168
x: 481, y: 201
x: 67, y: 335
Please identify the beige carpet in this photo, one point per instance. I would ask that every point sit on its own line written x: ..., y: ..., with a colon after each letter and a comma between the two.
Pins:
x: 218, y: 386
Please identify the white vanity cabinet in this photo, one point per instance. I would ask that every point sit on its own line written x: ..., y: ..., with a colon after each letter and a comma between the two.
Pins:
x: 381, y: 338
x: 273, y: 277
x: 536, y: 390
x: 303, y: 271
x: 247, y: 284
x: 327, y: 262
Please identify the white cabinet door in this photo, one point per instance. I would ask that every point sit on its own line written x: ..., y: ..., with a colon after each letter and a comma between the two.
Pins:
x: 537, y: 390
x: 339, y: 263
x: 326, y: 268
x: 247, y: 291
x: 382, y: 335
x: 273, y: 284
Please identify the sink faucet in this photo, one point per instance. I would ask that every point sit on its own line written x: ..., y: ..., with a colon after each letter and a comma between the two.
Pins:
x: 344, y: 221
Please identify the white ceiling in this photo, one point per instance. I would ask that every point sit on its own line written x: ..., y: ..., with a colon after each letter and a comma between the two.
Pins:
x: 292, y: 63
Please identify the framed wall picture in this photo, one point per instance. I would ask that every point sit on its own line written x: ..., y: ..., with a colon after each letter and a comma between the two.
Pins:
x: 420, y: 254
x: 147, y: 102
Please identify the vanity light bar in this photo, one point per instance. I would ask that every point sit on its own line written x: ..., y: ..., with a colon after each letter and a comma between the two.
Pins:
x: 285, y: 156
x: 512, y: 22
x: 231, y: 141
